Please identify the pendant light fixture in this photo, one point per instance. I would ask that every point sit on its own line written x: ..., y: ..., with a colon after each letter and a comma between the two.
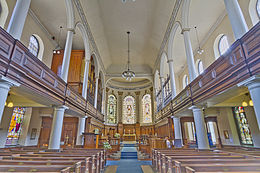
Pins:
x: 57, y: 49
x: 250, y: 103
x: 128, y: 74
x: 200, y: 50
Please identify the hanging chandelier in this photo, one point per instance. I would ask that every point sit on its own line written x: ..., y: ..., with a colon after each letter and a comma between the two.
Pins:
x: 128, y: 74
x: 200, y: 50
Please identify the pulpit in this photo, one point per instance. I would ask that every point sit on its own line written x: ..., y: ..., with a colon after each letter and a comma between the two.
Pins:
x: 90, y: 140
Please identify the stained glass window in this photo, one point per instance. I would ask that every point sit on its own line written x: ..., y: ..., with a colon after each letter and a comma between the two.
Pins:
x: 129, y: 110
x: 243, y: 126
x: 15, y: 126
x: 111, y: 109
x: 34, y: 46
x: 147, y: 109
x: 223, y: 45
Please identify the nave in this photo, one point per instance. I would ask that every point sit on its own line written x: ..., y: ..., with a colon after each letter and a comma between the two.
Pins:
x: 160, y: 86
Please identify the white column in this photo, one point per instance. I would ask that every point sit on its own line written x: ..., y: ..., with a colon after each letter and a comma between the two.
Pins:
x: 162, y: 90
x: 5, y: 85
x: 56, y: 129
x: 96, y: 93
x: 172, y: 78
x: 81, y: 129
x: 120, y: 107
x: 201, y: 132
x: 85, y: 80
x: 66, y: 56
x: 137, y: 106
x: 236, y: 18
x: 17, y: 21
x: 103, y: 110
x: 253, y: 84
x: 189, y: 54
x: 177, y: 132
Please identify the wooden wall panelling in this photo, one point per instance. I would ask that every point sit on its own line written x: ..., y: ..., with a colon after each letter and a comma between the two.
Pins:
x: 57, y: 62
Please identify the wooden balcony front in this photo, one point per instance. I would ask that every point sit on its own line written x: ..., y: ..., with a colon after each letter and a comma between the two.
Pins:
x: 18, y: 64
x: 241, y: 61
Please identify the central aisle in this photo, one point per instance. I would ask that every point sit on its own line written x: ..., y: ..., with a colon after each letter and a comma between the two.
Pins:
x: 129, y: 162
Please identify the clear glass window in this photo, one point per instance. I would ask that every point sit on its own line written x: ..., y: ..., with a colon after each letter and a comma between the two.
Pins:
x: 34, y: 46
x: 223, y: 45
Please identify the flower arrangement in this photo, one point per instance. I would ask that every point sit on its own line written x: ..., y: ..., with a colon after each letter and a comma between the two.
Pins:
x: 106, y: 145
x: 117, y: 135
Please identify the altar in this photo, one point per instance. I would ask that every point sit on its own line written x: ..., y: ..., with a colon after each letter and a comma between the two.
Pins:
x: 129, y: 137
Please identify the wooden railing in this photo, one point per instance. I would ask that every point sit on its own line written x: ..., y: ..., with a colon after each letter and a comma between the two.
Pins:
x: 241, y: 61
x: 18, y: 64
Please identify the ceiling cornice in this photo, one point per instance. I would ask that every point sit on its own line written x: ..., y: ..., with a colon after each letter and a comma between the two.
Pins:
x: 168, y: 31
x: 89, y: 33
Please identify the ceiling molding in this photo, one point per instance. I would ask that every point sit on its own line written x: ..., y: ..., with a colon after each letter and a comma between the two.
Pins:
x: 168, y: 31
x: 89, y: 33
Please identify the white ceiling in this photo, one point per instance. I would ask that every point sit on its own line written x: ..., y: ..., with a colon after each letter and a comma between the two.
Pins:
x: 146, y: 19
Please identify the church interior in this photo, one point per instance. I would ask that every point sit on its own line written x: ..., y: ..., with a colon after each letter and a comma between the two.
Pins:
x: 130, y: 86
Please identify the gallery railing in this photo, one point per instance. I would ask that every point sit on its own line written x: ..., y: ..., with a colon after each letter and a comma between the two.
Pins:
x: 18, y: 64
x: 241, y: 61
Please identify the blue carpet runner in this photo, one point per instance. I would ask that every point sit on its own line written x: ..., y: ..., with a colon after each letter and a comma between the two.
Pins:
x: 129, y: 162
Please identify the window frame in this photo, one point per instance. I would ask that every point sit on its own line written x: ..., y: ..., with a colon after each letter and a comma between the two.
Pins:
x: 257, y: 9
x: 38, y: 44
x: 219, y: 42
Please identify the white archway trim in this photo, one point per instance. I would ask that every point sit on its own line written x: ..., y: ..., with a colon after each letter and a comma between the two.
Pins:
x: 185, y: 81
x: 171, y: 39
x: 85, y: 40
x: 4, y: 13
x: 163, y: 64
x: 253, y: 12
x: 41, y: 47
x: 216, y: 46
x: 70, y: 14
x: 185, y: 13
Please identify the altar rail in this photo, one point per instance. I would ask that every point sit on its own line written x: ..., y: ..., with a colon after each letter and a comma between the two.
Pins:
x: 18, y: 64
x: 241, y: 61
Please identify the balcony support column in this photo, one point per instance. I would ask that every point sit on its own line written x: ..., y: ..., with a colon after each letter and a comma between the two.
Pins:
x: 236, y: 18
x: 253, y: 85
x: 56, y: 129
x: 172, y: 78
x: 85, y: 80
x: 189, y: 54
x: 17, y: 21
x: 81, y: 129
x: 66, y: 56
x: 5, y: 85
x: 162, y: 90
x: 177, y: 132
x: 202, y: 137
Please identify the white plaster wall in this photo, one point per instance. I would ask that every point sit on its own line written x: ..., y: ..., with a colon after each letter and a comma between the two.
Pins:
x: 4, y: 125
x: 30, y: 28
x: 36, y: 121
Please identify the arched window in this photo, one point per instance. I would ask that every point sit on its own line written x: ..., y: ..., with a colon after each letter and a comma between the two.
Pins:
x: 34, y: 45
x: 185, y: 81
x: 200, y: 67
x: 223, y: 45
x: 147, y: 108
x: 111, y: 109
x: 258, y: 8
x: 129, y: 110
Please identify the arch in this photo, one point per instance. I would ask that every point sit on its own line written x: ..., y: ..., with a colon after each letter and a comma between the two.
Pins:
x: 4, y: 13
x: 41, y: 47
x: 255, y: 17
x: 199, y: 66
x: 85, y: 40
x: 156, y: 81
x: 129, y: 110
x: 171, y: 39
x: 70, y: 14
x: 185, y: 81
x: 185, y: 13
x: 164, y: 68
x: 216, y: 45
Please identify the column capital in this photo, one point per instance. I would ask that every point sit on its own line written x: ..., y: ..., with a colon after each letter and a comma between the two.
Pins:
x: 107, y: 89
x: 137, y: 93
x: 151, y: 89
x: 184, y: 30
x: 195, y: 108
x: 120, y: 93
x: 9, y: 82
x: 62, y: 107
x: 170, y: 60
x: 251, y: 82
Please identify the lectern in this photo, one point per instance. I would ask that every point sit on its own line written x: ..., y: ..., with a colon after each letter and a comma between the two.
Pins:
x: 90, y: 140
